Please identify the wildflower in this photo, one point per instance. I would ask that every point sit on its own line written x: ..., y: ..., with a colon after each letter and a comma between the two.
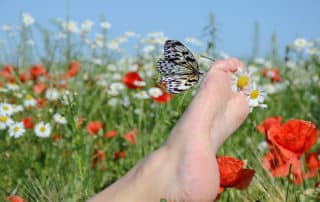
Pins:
x: 52, y: 94
x: 130, y: 80
x: 27, y: 122
x: 279, y: 164
x: 141, y: 95
x: 16, y: 129
x: 155, y: 92
x: 12, y: 86
x: 94, y: 127
x: 113, y: 44
x: 7, y: 27
x: 27, y: 19
x: 163, y: 98
x: 113, y: 102
x: 272, y: 73
x: 256, y: 97
x: 105, y: 25
x: 37, y: 71
x: 17, y: 108
x: 294, y: 137
x: 233, y: 174
x: 148, y: 48
x: 56, y: 137
x: 42, y: 129
x: 313, y: 164
x: 98, y: 156
x: 71, y: 26
x: 87, y: 25
x: 29, y: 101
x: 15, y: 198
x: 119, y: 155
x: 125, y: 101
x: 268, y: 123
x: 240, y: 80
x: 193, y: 40
x: 5, y: 121
x: 59, y: 118
x: 110, y: 134
x: 131, y: 136
x: 41, y: 102
x: 74, y: 69
x: 300, y: 43
x: 6, y: 109
x: 39, y: 88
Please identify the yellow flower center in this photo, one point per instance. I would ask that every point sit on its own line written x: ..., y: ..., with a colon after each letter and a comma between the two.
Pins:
x: 28, y: 97
x: 242, y: 81
x: 16, y: 129
x: 3, y: 119
x: 254, y: 94
x: 43, y: 129
x: 5, y: 108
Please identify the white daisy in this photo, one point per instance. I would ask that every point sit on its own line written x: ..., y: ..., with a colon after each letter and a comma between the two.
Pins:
x: 29, y: 101
x: 113, y: 44
x: 240, y: 80
x: 27, y: 19
x: 256, y: 97
x: 155, y: 92
x: 141, y: 95
x: 300, y: 43
x: 42, y: 129
x: 17, y: 108
x: 125, y: 101
x: 6, y: 109
x: 5, y: 121
x: 105, y: 25
x: 87, y: 25
x: 16, y: 129
x: 139, y: 83
x: 52, y: 94
x: 12, y: 86
x: 113, y: 102
x: 59, y: 118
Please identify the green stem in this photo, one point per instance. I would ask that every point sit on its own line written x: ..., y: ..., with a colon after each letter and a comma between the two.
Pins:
x: 288, y: 185
x: 209, y: 58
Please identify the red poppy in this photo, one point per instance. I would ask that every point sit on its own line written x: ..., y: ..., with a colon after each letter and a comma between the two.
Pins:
x: 7, y: 71
x: 15, y: 198
x: 94, y: 127
x: 110, y: 134
x: 130, y: 79
x: 36, y: 71
x: 164, y: 98
x: 56, y: 137
x: 39, y: 88
x: 272, y: 73
x: 279, y: 165
x: 98, y: 156
x: 233, y: 174
x: 23, y: 77
x: 74, y: 69
x: 268, y: 123
x: 119, y: 155
x: 27, y: 122
x: 313, y: 164
x: 131, y: 136
x: 41, y: 102
x: 294, y: 137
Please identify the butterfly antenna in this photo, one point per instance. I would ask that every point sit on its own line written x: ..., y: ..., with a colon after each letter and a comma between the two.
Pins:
x: 209, y: 58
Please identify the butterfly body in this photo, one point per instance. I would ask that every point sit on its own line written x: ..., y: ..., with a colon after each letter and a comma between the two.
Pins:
x: 178, y: 67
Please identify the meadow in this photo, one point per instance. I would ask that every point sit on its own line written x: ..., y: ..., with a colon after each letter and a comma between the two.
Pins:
x: 77, y: 111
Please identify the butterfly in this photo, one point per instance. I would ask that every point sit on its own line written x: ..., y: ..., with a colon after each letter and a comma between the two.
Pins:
x: 178, y: 68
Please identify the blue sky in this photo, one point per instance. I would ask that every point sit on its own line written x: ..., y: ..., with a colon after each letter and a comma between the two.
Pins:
x: 179, y: 19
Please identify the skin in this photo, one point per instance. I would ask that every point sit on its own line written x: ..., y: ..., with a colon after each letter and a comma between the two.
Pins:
x: 185, y: 167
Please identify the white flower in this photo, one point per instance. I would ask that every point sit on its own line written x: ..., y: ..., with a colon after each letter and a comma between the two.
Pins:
x: 70, y: 26
x: 111, y: 67
x: 291, y: 64
x: 193, y: 40
x: 300, y: 43
x: 16, y: 129
x: 148, y: 48
x: 29, y: 101
x: 52, y: 94
x: 155, y: 92
x: 122, y: 39
x: 113, y: 102
x: 59, y: 118
x: 87, y: 25
x: 240, y: 80
x: 117, y: 86
x: 134, y: 67
x: 139, y: 83
x: 113, y: 44
x: 141, y: 95
x: 116, y: 76
x: 137, y: 111
x: 105, y: 25
x: 256, y: 97
x: 5, y: 121
x: 263, y: 146
x: 67, y: 97
x: 7, y: 27
x: 12, y: 86
x: 312, y: 51
x: 129, y: 34
x: 6, y: 109
x: 42, y: 129
x: 27, y: 19
x: 260, y: 60
x: 126, y: 101
x: 17, y: 108
x: 61, y: 36
x: 96, y: 61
